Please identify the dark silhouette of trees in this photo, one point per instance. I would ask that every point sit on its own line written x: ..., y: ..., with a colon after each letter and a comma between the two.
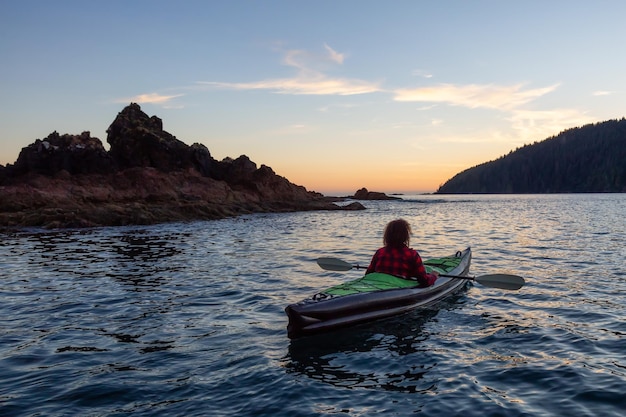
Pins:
x: 591, y: 158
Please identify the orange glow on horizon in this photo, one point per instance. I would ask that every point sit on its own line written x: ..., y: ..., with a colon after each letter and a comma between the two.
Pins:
x: 384, y: 180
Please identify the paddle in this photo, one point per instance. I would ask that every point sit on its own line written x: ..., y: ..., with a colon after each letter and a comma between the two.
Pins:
x: 502, y: 281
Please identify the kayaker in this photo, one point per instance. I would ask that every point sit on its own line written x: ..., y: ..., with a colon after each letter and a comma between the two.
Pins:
x: 397, y: 258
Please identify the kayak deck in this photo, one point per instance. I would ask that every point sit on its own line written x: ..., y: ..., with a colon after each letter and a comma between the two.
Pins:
x: 380, y: 282
x: 374, y: 296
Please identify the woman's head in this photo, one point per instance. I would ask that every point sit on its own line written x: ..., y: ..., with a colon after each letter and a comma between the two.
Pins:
x: 397, y: 233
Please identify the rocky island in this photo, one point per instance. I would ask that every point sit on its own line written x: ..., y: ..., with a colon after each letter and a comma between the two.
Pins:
x: 365, y: 194
x: 148, y: 176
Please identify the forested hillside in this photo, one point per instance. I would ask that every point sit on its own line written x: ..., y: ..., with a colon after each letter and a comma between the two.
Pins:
x: 586, y: 159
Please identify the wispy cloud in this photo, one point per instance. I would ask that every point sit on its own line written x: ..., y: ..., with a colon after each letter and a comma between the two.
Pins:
x: 474, y: 95
x: 309, y: 80
x: 601, y: 93
x: 422, y: 73
x: 153, y: 98
x: 334, y: 55
x: 538, y: 124
x: 526, y: 126
x: 319, y: 85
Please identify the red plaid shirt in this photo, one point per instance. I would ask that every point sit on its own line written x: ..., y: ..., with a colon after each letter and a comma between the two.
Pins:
x: 402, y: 262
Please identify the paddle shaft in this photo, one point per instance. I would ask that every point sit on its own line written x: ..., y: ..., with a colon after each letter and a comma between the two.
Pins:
x: 339, y: 265
x: 502, y: 281
x: 357, y: 266
x: 458, y: 277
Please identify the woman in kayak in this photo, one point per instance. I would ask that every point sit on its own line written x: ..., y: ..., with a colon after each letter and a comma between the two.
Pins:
x: 396, y: 258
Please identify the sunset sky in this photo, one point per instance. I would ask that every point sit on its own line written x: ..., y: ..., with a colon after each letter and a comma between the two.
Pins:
x: 395, y: 96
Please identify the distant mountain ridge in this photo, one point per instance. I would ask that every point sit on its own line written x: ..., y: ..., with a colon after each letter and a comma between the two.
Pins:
x: 586, y: 159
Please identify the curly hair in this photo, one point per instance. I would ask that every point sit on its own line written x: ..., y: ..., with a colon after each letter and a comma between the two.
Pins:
x: 397, y: 233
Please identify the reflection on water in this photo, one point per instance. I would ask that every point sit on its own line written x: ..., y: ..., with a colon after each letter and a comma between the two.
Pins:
x: 381, y: 346
x: 328, y: 358
x: 188, y: 318
x: 144, y: 257
x: 139, y: 258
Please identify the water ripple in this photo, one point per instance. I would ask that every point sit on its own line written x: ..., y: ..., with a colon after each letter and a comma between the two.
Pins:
x: 187, y: 318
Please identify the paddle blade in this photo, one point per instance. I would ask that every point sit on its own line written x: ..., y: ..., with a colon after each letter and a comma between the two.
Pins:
x: 333, y: 264
x: 503, y: 281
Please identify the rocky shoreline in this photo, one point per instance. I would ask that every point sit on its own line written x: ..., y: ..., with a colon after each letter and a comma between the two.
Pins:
x: 135, y: 197
x: 147, y: 177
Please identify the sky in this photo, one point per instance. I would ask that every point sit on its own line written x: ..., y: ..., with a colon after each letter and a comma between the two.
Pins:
x: 395, y: 96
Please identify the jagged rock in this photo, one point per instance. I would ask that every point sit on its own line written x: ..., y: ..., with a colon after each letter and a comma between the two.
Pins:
x: 262, y: 183
x: 364, y: 194
x: 274, y: 187
x: 147, y: 177
x: 239, y: 170
x: 133, y: 196
x: 138, y: 140
x: 204, y: 163
x: 76, y: 154
x: 354, y: 206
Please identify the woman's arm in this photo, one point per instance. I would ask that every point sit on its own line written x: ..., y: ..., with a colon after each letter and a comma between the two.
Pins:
x: 420, y: 273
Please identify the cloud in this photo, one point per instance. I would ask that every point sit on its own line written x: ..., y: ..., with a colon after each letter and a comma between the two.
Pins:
x: 334, y: 55
x: 474, y: 95
x: 539, y: 124
x: 153, y: 98
x: 526, y: 126
x: 601, y: 93
x: 309, y: 80
x: 297, y: 59
x: 314, y: 85
x: 422, y: 73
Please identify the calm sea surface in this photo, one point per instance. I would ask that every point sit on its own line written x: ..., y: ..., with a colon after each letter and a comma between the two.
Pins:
x: 187, y: 319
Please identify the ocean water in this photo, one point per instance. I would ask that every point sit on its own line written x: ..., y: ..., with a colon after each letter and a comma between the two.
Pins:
x: 187, y: 319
